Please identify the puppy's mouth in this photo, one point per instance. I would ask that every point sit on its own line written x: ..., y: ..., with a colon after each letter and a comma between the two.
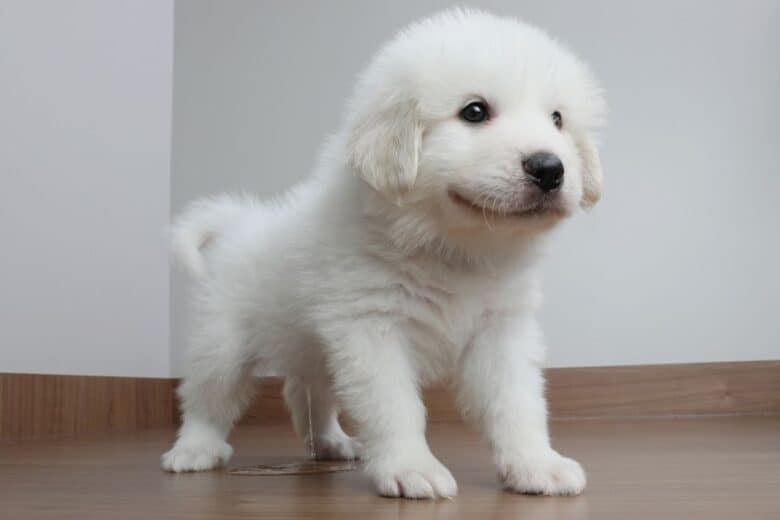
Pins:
x: 543, y: 207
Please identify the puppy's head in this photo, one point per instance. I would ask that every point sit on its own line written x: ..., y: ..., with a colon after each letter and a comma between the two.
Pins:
x: 476, y: 122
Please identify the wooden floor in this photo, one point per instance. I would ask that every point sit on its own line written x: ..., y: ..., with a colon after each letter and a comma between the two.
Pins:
x: 669, y: 468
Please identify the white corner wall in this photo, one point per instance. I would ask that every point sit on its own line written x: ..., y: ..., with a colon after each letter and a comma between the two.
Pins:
x: 97, y: 146
x: 678, y: 263
x: 85, y: 121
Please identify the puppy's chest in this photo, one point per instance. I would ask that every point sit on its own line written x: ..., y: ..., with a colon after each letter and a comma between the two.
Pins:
x: 441, y: 316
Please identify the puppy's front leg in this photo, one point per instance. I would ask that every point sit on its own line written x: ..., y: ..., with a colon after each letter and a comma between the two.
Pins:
x: 501, y: 387
x: 376, y: 383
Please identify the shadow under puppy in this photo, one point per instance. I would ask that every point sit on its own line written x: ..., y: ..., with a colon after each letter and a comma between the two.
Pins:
x: 406, y: 259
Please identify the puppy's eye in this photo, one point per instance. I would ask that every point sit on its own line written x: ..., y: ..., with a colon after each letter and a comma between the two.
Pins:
x: 557, y: 119
x: 475, y: 112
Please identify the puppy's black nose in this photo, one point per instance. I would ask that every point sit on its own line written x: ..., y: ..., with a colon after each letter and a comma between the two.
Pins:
x: 545, y: 169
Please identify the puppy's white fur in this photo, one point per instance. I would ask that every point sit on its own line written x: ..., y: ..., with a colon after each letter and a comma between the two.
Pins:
x: 407, y: 259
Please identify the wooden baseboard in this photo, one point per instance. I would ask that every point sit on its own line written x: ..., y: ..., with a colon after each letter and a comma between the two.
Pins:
x: 34, y: 406
x: 665, y: 390
x: 40, y: 405
x: 622, y: 391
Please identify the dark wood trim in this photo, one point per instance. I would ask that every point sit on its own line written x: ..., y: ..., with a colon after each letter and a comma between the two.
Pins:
x: 34, y: 406
x: 751, y: 387
x: 39, y: 405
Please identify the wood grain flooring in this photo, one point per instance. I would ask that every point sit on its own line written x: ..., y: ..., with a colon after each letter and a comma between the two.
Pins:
x: 707, y: 468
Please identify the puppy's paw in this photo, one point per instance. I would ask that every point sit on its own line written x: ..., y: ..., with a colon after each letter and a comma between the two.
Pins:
x: 420, y: 476
x: 196, y: 456
x: 547, y: 473
x: 338, y: 446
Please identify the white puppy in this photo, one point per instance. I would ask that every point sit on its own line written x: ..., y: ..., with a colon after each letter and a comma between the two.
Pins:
x: 407, y: 259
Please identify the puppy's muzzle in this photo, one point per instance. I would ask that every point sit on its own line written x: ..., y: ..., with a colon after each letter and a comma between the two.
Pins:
x: 545, y: 170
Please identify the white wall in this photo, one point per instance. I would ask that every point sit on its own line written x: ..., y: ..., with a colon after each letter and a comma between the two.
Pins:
x: 85, y: 111
x: 679, y: 263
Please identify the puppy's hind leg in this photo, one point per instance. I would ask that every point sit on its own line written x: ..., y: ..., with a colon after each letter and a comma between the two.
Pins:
x: 315, y: 418
x: 215, y: 391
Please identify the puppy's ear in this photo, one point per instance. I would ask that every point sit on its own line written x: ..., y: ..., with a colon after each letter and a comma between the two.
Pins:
x: 384, y: 146
x: 591, y: 174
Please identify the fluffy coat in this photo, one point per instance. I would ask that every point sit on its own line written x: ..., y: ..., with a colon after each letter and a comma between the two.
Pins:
x: 407, y: 259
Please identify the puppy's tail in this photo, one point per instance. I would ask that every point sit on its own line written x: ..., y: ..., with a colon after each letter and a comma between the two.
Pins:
x: 200, y: 226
